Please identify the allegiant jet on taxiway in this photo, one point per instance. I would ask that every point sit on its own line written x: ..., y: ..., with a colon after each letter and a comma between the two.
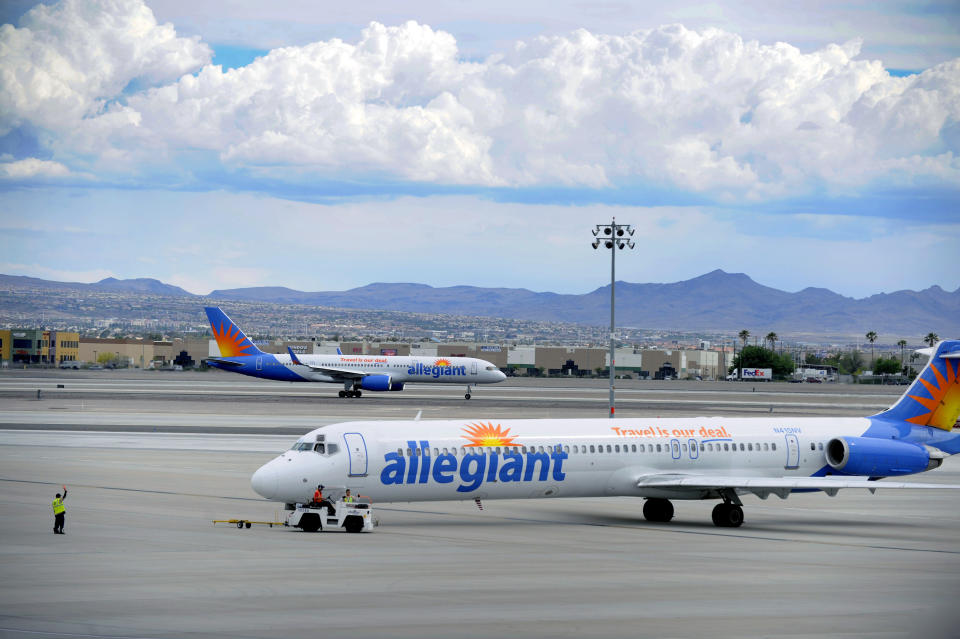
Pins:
x: 718, y: 458
x: 356, y: 373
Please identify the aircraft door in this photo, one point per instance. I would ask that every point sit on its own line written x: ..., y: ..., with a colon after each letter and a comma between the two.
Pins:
x: 694, y: 449
x: 259, y: 363
x: 473, y: 367
x: 357, y: 449
x: 793, y: 452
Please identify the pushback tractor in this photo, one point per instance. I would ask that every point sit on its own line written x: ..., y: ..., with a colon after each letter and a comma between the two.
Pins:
x: 353, y: 517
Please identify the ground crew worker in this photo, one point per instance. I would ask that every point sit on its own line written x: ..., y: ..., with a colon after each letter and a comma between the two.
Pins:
x: 319, y: 501
x: 348, y: 498
x: 59, y: 512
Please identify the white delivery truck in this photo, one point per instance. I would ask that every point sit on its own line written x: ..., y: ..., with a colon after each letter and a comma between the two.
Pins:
x: 753, y: 374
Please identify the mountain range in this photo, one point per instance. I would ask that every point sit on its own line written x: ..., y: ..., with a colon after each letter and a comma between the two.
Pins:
x: 716, y: 301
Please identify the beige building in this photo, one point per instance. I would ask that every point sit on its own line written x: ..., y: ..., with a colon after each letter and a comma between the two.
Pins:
x: 560, y: 360
x: 493, y: 353
x: 64, y: 346
x: 141, y: 353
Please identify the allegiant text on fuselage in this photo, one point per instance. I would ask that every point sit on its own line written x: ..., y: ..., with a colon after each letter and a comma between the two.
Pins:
x: 473, y: 468
x: 435, y: 371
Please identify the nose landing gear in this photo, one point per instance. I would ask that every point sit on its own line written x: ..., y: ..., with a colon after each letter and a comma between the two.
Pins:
x: 467, y: 395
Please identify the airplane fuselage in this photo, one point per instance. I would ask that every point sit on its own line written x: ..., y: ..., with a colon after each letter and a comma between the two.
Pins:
x: 400, y: 369
x: 499, y: 459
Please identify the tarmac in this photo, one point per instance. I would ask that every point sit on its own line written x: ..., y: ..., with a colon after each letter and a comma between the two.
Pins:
x: 142, y: 558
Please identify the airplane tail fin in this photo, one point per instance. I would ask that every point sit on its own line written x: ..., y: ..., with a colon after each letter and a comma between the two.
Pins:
x: 230, y: 339
x: 934, y: 397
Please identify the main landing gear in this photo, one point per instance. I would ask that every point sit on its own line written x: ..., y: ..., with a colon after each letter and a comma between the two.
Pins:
x: 728, y: 514
x: 658, y: 510
x: 350, y: 390
x: 467, y: 395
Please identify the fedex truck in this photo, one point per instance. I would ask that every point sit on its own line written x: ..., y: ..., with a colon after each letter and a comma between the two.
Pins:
x: 753, y: 374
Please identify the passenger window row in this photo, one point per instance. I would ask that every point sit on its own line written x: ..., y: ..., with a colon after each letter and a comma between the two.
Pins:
x: 579, y: 449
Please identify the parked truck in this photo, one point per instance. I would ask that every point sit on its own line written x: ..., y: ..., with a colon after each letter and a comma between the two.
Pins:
x: 752, y: 374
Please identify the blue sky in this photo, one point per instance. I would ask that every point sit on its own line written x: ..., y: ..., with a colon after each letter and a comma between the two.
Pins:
x: 217, y: 145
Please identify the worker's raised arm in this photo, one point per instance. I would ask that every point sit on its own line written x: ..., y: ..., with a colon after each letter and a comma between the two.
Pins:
x: 64, y: 492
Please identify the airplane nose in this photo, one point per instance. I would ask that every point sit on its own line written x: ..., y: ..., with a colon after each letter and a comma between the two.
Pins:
x: 264, y: 481
x: 501, y: 376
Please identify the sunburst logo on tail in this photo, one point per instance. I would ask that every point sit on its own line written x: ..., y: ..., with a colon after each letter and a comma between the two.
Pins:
x: 442, y: 362
x: 230, y: 341
x: 488, y: 435
x: 943, y: 405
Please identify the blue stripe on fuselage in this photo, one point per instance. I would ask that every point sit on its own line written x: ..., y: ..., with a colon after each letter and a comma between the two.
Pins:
x: 270, y: 368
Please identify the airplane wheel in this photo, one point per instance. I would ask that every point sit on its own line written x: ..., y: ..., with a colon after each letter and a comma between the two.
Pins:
x: 467, y: 396
x: 239, y: 524
x: 343, y: 394
x: 727, y: 516
x: 658, y: 510
x: 357, y: 393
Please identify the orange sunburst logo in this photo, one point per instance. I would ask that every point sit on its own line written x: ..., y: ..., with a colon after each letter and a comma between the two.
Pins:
x: 488, y: 435
x: 943, y: 405
x: 442, y: 362
x: 230, y: 341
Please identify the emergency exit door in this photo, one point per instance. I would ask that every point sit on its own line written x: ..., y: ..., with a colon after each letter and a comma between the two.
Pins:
x: 357, y: 449
x: 793, y: 452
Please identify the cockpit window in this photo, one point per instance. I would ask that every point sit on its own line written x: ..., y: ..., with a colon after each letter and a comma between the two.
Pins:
x: 303, y: 446
x: 491, y: 368
x: 319, y: 448
x: 332, y: 449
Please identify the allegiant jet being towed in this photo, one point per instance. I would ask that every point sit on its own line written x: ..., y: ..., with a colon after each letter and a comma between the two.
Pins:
x: 357, y: 373
x: 660, y: 460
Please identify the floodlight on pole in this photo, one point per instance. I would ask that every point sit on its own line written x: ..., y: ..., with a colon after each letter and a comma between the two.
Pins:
x: 614, y: 234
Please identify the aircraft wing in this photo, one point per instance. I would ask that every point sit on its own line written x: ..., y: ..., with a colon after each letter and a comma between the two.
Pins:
x: 780, y: 486
x: 337, y: 373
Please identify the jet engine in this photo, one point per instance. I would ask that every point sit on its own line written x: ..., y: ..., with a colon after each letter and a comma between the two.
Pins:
x: 878, y: 457
x: 380, y: 383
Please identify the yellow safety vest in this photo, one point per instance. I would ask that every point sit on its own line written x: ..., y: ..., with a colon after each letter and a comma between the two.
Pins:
x: 58, y: 506
x: 348, y: 499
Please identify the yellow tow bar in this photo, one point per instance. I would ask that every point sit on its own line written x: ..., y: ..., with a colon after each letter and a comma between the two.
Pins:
x: 246, y: 523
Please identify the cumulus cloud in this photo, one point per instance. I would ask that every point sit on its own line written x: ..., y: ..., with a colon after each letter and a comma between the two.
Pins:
x: 66, y: 60
x: 30, y: 168
x: 696, y: 111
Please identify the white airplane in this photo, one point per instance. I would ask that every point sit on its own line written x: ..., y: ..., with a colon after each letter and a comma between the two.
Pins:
x: 658, y: 459
x: 357, y: 373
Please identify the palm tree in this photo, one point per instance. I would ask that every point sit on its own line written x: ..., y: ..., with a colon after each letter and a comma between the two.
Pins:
x: 871, y: 337
x: 902, y: 344
x: 744, y: 336
x: 931, y: 339
x: 772, y: 338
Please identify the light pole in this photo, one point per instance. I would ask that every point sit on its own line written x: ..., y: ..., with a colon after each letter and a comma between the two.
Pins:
x: 612, y: 236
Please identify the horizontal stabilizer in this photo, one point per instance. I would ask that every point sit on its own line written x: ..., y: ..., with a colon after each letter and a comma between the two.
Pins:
x: 224, y: 362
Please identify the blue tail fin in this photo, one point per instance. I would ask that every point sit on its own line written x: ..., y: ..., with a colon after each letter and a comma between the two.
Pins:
x: 934, y: 397
x: 230, y: 339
